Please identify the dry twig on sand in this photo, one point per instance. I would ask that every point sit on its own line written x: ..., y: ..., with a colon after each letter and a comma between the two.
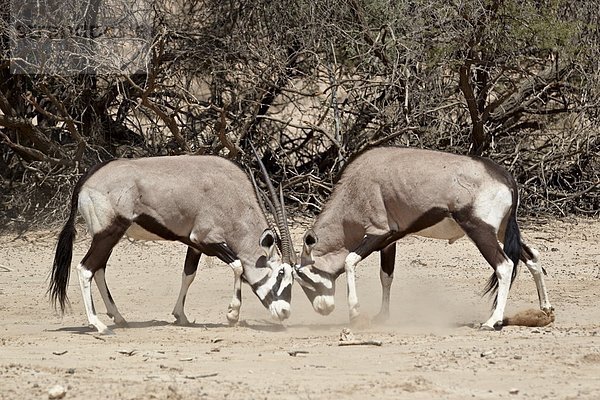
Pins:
x: 361, y: 343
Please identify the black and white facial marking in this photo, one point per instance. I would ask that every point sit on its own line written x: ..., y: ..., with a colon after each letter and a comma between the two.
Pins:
x: 319, y: 287
x: 275, y: 288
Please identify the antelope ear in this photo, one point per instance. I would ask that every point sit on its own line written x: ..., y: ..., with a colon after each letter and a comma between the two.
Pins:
x: 267, y: 242
x: 310, y: 240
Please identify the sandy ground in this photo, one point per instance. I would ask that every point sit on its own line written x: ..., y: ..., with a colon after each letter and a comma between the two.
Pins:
x: 429, y: 348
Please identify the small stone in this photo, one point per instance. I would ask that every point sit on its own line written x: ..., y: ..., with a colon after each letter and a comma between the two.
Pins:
x: 346, y: 335
x: 56, y: 392
x: 487, y: 353
x: 513, y: 391
x: 518, y: 357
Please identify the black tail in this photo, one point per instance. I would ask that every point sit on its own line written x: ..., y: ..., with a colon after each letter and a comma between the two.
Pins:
x: 512, y: 249
x: 61, y: 268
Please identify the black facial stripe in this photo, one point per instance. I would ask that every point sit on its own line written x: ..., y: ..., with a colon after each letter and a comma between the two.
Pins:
x: 277, y: 285
x: 286, y: 294
x: 272, y: 293
x: 267, y: 300
x: 310, y: 294
x: 269, y: 297
x: 318, y: 287
x: 258, y: 284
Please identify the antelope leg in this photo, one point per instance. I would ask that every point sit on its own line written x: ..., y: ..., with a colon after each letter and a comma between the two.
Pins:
x: 386, y: 276
x: 109, y: 303
x: 85, y: 282
x: 369, y: 244
x: 530, y: 257
x: 190, y: 267
x: 233, y: 311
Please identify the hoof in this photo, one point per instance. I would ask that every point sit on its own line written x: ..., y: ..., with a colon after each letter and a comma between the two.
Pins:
x: 183, y: 321
x: 180, y: 319
x: 380, y: 318
x: 118, y: 320
x: 233, y: 316
x: 121, y: 323
x: 549, y: 311
x: 496, y: 327
x: 360, y: 321
x: 106, y: 332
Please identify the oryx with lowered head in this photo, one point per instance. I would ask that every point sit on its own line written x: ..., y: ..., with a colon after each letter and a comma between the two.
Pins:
x: 387, y: 193
x: 205, y: 202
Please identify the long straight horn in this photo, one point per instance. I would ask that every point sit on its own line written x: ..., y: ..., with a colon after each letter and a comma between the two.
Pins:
x: 287, y: 250
x: 287, y: 227
x: 261, y: 202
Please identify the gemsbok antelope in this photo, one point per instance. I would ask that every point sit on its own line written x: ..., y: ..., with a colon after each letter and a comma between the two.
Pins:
x: 205, y: 202
x: 387, y: 193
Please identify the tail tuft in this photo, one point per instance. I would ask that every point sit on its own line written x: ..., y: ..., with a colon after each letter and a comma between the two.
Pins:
x: 61, y: 268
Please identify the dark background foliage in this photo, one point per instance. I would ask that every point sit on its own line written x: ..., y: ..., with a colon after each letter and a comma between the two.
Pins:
x: 311, y: 83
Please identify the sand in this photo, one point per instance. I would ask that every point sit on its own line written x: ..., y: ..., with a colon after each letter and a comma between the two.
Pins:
x: 429, y: 347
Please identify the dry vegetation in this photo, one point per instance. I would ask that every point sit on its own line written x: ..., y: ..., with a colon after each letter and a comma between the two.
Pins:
x: 310, y: 83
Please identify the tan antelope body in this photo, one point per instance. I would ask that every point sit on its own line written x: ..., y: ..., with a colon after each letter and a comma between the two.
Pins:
x: 388, y: 193
x: 205, y: 202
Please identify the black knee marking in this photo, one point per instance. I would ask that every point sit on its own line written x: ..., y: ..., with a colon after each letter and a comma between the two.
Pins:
x: 388, y: 259
x: 192, y: 258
